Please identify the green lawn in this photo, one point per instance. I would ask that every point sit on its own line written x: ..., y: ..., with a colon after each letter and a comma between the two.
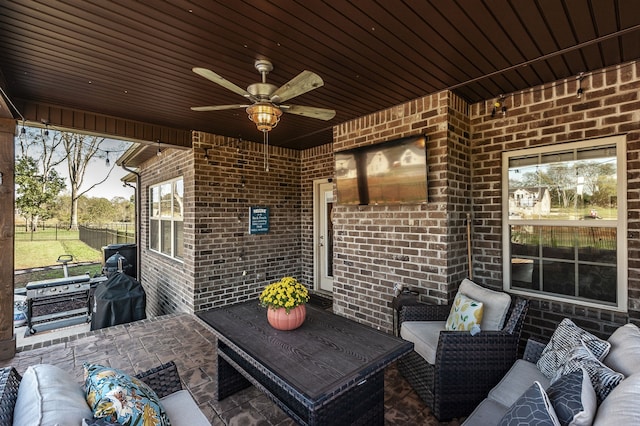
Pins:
x: 47, y: 234
x: 22, y: 280
x: 32, y: 254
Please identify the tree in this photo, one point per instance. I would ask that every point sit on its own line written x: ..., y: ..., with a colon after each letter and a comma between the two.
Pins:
x: 99, y: 210
x: 43, y: 146
x: 124, y: 209
x: 62, y: 208
x: 80, y: 149
x: 598, y: 180
x: 36, y: 192
x: 605, y: 194
x: 37, y: 181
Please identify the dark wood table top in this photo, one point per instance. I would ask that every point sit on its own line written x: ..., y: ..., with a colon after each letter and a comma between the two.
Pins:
x: 327, y: 353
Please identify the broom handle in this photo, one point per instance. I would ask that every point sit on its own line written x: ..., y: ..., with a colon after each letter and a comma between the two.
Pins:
x: 469, y: 246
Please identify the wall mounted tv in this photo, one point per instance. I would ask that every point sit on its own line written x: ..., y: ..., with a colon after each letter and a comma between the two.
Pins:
x: 393, y: 172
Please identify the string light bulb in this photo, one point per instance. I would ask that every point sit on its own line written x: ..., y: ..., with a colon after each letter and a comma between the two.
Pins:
x: 580, y: 91
x: 106, y: 159
x: 499, y: 105
x: 23, y: 133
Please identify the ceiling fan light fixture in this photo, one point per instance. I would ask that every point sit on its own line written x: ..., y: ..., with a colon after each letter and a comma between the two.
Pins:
x: 265, y: 115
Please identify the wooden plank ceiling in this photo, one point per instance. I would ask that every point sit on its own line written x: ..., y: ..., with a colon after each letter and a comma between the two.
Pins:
x: 133, y: 59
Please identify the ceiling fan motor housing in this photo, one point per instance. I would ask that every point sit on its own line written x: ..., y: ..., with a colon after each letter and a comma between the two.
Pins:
x: 262, y: 91
x: 263, y: 66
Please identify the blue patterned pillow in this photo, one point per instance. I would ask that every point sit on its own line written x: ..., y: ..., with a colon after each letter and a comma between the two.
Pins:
x: 573, y: 399
x: 532, y: 408
x: 98, y: 422
x: 603, y: 379
x: 118, y: 397
x: 565, y: 338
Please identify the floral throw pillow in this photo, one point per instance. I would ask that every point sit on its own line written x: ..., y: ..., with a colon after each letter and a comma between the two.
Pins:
x: 115, y: 396
x: 465, y: 313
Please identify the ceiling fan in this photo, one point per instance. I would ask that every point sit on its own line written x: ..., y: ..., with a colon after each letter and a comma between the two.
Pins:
x: 266, y: 99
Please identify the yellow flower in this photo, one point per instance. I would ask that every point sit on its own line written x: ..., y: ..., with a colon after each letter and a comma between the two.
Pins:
x: 286, y: 293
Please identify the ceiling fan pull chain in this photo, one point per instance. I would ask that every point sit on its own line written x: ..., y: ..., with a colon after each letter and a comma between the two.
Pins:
x: 266, y: 149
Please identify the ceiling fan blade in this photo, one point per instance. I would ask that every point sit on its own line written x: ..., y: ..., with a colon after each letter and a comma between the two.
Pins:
x: 217, y: 107
x: 312, y: 112
x: 302, y: 83
x: 212, y: 76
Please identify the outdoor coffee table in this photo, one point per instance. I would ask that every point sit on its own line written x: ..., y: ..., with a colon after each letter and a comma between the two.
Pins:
x: 329, y: 371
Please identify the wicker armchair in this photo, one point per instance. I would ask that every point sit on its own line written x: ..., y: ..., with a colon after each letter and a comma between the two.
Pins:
x: 466, y: 366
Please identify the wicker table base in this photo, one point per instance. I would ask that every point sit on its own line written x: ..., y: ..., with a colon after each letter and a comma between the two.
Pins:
x: 328, y: 371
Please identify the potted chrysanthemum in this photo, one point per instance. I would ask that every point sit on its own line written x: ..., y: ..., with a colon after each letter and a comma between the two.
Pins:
x: 285, y: 302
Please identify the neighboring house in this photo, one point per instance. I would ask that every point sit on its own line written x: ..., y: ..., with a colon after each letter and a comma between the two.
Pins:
x: 412, y: 157
x: 378, y: 165
x: 530, y: 201
x: 346, y: 166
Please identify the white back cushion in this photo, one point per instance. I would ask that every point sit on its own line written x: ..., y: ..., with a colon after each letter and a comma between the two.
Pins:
x: 182, y: 410
x: 621, y: 407
x: 496, y: 304
x: 48, y: 395
x: 624, y: 355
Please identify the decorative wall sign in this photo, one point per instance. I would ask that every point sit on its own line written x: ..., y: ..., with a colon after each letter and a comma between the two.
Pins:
x: 258, y: 220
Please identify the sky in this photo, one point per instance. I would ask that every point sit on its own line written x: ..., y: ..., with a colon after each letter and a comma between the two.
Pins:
x: 113, y: 186
x: 97, y: 170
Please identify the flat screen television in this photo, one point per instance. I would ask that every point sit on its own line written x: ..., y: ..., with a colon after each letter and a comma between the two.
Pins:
x: 393, y: 172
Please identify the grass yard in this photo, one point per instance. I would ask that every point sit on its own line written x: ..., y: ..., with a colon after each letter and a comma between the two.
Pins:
x: 22, y: 280
x: 43, y: 249
x: 47, y: 234
x: 33, y: 254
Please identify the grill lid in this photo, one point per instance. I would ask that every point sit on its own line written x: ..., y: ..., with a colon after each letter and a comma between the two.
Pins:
x: 53, y: 282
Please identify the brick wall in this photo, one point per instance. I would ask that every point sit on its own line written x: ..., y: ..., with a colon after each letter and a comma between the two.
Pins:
x: 316, y: 164
x: 159, y: 274
x: 223, y: 263
x: 231, y: 264
x: 421, y: 246
x: 547, y: 115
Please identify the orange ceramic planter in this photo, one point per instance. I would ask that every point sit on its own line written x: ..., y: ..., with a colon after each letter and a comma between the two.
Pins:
x: 279, y: 319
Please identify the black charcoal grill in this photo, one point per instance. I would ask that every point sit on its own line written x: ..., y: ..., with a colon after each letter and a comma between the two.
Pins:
x: 58, y: 302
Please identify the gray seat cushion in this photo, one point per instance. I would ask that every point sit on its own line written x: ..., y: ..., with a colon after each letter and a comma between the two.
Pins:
x: 518, y: 379
x: 424, y: 335
x: 182, y: 410
x: 488, y: 412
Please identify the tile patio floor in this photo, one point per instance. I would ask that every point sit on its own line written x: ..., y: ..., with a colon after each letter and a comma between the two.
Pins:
x: 185, y: 339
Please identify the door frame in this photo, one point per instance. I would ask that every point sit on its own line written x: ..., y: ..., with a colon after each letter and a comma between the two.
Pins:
x: 317, y: 202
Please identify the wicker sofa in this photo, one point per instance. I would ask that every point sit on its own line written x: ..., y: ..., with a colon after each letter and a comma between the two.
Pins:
x: 465, y: 366
x: 581, y: 404
x: 164, y: 380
